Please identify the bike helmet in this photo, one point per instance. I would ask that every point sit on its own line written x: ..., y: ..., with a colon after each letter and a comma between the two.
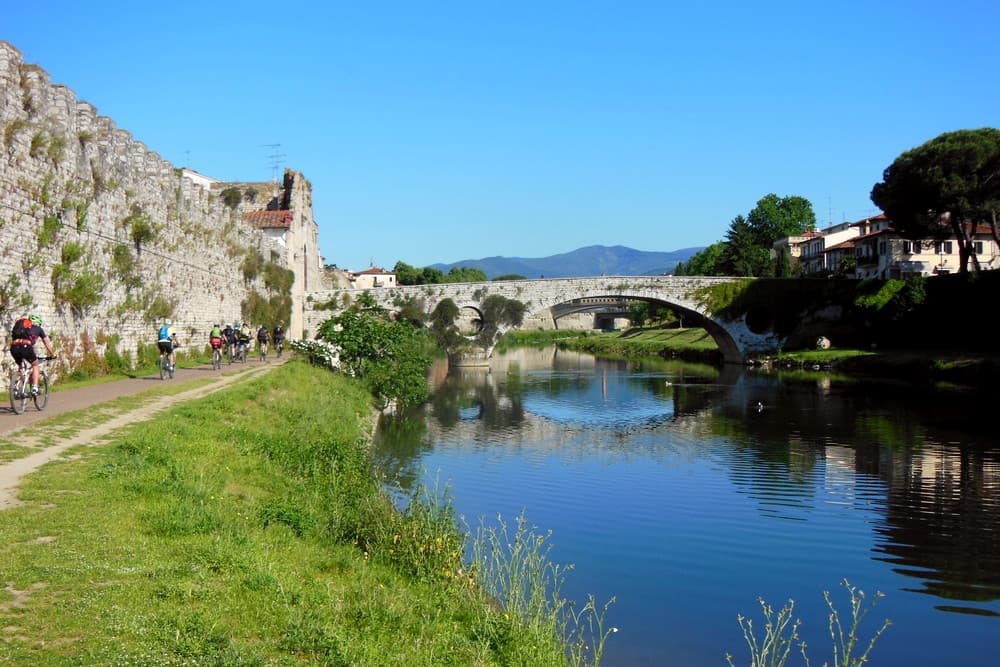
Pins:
x: 167, y: 322
x: 35, y: 319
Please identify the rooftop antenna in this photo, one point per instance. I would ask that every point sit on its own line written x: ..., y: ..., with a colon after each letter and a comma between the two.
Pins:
x: 275, y: 157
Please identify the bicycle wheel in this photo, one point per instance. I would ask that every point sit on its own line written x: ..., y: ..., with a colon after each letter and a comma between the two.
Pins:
x: 18, y: 401
x: 163, y: 367
x: 216, y: 359
x: 42, y: 397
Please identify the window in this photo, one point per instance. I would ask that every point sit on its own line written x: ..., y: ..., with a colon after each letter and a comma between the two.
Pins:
x: 978, y: 246
x: 907, y: 247
x: 942, y: 247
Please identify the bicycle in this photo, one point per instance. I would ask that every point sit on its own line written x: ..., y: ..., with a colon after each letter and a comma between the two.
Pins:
x: 20, y: 386
x: 241, y: 352
x: 278, y: 347
x: 262, y: 350
x: 217, y: 358
x: 166, y: 368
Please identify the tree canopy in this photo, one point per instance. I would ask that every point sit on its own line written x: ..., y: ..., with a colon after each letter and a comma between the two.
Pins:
x: 744, y: 254
x: 409, y: 275
x: 945, y: 188
x: 748, y: 247
x: 776, y: 217
x: 705, y: 262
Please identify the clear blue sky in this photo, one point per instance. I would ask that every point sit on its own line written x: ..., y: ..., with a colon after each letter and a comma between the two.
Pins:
x: 441, y: 130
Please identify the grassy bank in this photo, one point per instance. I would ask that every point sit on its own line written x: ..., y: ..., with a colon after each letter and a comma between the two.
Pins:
x: 693, y: 344
x: 935, y: 366
x: 247, y: 529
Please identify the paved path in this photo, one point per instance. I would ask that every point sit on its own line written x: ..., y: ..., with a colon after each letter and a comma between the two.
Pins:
x: 90, y: 397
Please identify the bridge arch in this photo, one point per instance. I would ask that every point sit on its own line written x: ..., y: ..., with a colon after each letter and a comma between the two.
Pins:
x: 736, y: 341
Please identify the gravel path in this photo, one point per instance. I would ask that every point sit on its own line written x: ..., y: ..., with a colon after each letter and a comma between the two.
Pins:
x: 61, y: 402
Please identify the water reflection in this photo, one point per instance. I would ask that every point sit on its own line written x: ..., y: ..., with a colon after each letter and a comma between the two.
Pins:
x: 828, y: 475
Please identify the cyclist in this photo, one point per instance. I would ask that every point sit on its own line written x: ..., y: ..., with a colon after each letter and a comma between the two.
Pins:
x: 279, y: 339
x: 167, y: 341
x: 215, y: 338
x: 243, y: 339
x: 262, y: 340
x: 229, y: 336
x: 25, y: 332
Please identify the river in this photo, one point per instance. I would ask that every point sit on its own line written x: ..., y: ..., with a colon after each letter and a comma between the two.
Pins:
x: 683, y: 494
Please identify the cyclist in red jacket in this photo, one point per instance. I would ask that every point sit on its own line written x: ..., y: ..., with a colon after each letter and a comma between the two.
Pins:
x: 23, y: 336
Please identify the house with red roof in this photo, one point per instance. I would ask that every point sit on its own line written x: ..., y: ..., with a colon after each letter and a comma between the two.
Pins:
x: 871, y: 248
x: 374, y: 276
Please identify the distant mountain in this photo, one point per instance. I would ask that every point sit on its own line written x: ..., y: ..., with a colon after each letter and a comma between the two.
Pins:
x: 590, y: 261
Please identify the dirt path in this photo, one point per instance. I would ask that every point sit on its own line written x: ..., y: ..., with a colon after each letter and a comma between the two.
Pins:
x: 88, y: 399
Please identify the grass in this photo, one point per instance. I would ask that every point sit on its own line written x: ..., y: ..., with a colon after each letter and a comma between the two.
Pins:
x: 691, y: 343
x: 247, y: 528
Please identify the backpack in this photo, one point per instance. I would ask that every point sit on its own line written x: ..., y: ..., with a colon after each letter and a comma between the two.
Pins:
x: 164, y: 332
x: 22, y: 328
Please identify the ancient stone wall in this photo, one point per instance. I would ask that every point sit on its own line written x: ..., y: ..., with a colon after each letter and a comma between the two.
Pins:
x: 102, y: 237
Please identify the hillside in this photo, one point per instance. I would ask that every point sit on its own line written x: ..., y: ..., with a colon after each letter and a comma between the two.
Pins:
x: 589, y: 261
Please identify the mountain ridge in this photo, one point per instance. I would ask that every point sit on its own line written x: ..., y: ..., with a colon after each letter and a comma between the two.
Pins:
x: 594, y: 260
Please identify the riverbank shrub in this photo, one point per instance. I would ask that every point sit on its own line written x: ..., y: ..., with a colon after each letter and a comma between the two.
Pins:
x: 390, y: 356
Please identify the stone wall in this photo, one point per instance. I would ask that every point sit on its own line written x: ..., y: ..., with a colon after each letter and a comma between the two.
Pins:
x: 101, y: 236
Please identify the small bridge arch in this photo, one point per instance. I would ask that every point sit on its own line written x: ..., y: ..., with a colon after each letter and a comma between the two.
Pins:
x: 735, y: 340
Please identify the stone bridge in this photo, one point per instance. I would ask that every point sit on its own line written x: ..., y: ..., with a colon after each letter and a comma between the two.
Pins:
x: 551, y: 296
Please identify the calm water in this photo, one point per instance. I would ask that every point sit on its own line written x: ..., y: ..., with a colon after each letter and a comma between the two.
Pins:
x: 668, y: 488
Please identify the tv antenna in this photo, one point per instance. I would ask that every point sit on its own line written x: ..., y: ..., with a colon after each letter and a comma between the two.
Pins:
x: 275, y: 158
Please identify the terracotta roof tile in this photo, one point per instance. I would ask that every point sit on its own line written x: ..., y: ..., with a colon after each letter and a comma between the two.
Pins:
x: 270, y: 219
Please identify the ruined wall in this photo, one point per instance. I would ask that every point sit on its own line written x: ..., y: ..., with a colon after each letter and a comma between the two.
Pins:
x: 101, y: 236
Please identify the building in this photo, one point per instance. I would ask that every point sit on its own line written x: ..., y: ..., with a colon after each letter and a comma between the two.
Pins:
x: 274, y: 224
x: 373, y: 277
x: 885, y: 254
x: 871, y: 248
x: 283, y: 212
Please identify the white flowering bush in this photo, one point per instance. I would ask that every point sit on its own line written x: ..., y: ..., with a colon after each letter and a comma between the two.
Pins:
x: 318, y: 352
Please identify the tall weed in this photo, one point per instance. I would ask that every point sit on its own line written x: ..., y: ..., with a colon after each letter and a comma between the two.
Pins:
x: 780, y: 635
x: 516, y: 573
